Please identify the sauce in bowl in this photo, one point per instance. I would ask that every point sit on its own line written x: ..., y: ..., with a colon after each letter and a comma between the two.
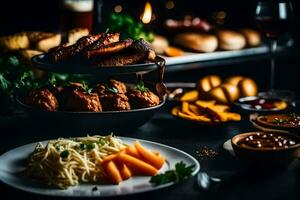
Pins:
x: 261, y: 103
x: 267, y: 141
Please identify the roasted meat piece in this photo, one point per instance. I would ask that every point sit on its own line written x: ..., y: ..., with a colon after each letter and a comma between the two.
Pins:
x: 140, y: 50
x: 42, y: 99
x: 112, y: 95
x: 82, y: 101
x: 62, y: 93
x: 112, y: 86
x: 142, y: 98
x: 63, y: 52
x: 114, y: 102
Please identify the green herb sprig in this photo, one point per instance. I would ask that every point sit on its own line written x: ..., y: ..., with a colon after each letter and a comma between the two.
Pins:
x: 129, y: 27
x: 141, y: 87
x: 179, y: 174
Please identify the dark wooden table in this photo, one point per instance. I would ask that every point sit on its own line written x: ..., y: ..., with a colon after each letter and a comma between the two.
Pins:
x: 239, y: 182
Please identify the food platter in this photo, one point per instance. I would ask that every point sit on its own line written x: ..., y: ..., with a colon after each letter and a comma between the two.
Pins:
x: 95, y: 120
x: 78, y: 66
x: 12, y: 162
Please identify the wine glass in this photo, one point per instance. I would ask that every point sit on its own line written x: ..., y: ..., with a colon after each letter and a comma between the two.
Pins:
x: 273, y: 18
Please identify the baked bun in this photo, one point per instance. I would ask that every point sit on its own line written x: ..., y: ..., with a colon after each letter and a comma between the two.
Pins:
x: 14, y: 42
x: 43, y: 41
x: 234, y: 80
x: 231, y: 40
x: 75, y: 34
x: 197, y: 42
x: 252, y: 37
x: 247, y: 87
x: 224, y: 94
x: 208, y: 82
x: 160, y: 44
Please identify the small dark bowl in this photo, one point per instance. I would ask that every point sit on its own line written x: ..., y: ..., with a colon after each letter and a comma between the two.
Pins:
x: 266, y: 157
x: 246, y: 108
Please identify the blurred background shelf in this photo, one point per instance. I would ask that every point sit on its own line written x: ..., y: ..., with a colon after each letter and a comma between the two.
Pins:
x: 191, y: 61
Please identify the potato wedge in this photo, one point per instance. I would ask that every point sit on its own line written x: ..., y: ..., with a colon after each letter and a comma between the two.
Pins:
x: 199, y: 118
x: 196, y: 110
x: 185, y: 109
x: 205, y: 104
x: 175, y: 111
x: 190, y: 96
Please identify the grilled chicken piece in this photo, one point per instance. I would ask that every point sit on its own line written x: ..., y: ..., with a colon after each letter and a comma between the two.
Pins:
x: 63, y: 52
x: 81, y: 101
x: 42, y: 99
x: 112, y: 95
x: 114, y: 102
x: 142, y: 99
x: 110, y: 48
x: 110, y: 86
x: 65, y: 92
x: 140, y: 50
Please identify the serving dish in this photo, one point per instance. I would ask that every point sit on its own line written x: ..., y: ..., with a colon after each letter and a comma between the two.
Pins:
x: 266, y: 149
x: 261, y: 104
x: 94, y: 120
x: 81, y: 67
x: 12, y: 162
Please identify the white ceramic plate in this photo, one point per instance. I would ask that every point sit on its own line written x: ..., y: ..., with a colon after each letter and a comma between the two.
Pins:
x: 14, y: 161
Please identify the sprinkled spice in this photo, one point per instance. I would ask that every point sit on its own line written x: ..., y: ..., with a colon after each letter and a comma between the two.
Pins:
x: 206, y: 152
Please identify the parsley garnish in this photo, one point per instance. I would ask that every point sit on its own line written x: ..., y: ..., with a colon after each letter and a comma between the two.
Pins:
x: 141, y: 87
x: 181, y: 172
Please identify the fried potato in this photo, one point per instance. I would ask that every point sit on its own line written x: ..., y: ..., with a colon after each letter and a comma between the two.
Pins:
x: 186, y: 109
x: 205, y: 104
x: 199, y: 118
x: 205, y: 112
x: 190, y: 96
x: 175, y: 111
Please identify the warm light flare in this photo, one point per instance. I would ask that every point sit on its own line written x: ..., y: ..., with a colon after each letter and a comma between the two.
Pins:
x: 147, y: 14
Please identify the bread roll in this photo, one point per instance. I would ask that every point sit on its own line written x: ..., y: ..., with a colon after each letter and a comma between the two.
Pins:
x: 75, y: 34
x: 232, y: 92
x: 197, y: 42
x: 43, y: 41
x: 231, y: 40
x: 247, y: 87
x: 208, y: 82
x: 234, y: 80
x: 14, y: 42
x: 160, y: 44
x: 216, y: 94
x: 224, y: 94
x: 252, y: 37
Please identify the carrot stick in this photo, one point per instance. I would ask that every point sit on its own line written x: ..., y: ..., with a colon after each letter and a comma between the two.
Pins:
x: 138, y: 166
x: 149, y: 157
x: 131, y: 150
x: 112, y: 172
x: 109, y: 158
x: 125, y: 171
